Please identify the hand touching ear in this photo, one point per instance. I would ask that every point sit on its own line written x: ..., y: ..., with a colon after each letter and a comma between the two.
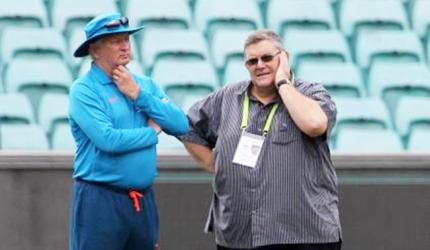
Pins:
x: 125, y: 83
x: 284, y: 68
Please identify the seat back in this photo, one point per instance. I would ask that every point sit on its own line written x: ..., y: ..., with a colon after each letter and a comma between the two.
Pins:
x: 62, y: 138
x: 388, y: 46
x: 391, y: 81
x: 15, y: 108
x: 361, y: 113
x: 32, y: 42
x: 157, y: 45
x: 306, y: 45
x: 370, y: 141
x: 159, y: 14
x: 341, y: 79
x: 419, y: 141
x: 193, y: 74
x: 358, y: 15
x: 72, y: 16
x: 53, y: 110
x: 23, y: 137
x: 298, y: 14
x: 226, y: 14
x: 235, y: 71
x: 38, y: 78
x: 421, y: 18
x: 27, y: 13
x: 412, y: 112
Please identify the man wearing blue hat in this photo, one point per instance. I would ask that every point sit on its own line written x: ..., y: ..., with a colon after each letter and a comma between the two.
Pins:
x: 115, y: 117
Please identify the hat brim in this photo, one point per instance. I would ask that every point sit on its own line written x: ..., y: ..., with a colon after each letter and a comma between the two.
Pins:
x: 82, y: 50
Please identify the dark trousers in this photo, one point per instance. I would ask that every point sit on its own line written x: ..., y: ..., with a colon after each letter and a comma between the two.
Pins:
x: 323, y: 246
x: 105, y: 218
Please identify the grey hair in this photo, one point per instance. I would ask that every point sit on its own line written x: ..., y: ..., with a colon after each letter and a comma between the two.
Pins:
x: 94, y: 44
x: 263, y: 35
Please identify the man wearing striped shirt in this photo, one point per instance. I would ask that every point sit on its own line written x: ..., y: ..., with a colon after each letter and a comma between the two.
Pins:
x: 266, y: 140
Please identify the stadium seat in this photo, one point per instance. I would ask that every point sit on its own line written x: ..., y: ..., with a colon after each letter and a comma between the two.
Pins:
x: 41, y: 75
x: 211, y: 15
x: 227, y: 45
x: 428, y: 48
x: 23, y: 137
x: 390, y: 81
x: 71, y: 16
x: 134, y: 66
x: 181, y: 80
x: 390, y: 45
x: 420, y: 16
x: 15, y: 108
x: 159, y: 14
x: 419, y: 141
x: 358, y: 15
x: 183, y: 96
x: 74, y: 40
x: 306, y: 45
x: 361, y: 113
x: 191, y: 99
x: 299, y: 14
x: 32, y: 42
x: 373, y: 141
x: 157, y: 45
x: 62, y: 138
x: 194, y: 74
x: 411, y: 113
x: 169, y: 143
x: 235, y: 71
x: 53, y: 110
x: 1, y: 81
x: 342, y: 79
x: 29, y: 13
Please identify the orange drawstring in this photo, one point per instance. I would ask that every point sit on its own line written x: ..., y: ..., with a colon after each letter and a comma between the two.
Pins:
x: 135, y: 195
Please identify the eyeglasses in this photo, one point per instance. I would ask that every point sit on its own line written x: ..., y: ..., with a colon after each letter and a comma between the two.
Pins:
x: 264, y: 58
x: 117, y: 22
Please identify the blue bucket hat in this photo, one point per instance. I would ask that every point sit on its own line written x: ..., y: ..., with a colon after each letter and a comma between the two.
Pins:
x: 101, y: 26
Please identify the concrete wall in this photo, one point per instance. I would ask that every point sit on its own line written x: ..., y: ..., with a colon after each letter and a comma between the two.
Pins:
x: 384, y: 201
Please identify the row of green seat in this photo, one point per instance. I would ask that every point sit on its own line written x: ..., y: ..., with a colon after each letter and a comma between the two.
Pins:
x: 275, y: 14
x: 209, y: 16
x: 158, y: 52
x: 360, y: 115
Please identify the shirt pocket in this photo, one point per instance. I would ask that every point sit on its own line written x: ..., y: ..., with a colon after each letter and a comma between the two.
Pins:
x: 286, y: 134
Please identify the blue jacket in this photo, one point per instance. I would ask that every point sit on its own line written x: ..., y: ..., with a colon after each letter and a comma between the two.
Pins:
x: 114, y: 142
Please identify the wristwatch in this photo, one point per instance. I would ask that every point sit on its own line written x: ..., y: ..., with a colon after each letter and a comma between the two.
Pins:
x: 282, y: 82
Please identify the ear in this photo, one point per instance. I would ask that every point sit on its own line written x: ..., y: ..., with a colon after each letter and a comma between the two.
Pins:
x: 93, y: 50
x: 288, y: 54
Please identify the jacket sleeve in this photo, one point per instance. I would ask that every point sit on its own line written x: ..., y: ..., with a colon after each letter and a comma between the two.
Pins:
x: 156, y: 105
x: 89, y: 113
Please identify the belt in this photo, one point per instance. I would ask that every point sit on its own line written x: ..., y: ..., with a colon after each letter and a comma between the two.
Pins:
x: 134, y: 194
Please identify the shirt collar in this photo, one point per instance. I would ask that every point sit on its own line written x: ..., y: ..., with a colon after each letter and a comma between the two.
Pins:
x: 99, y: 74
x: 245, y: 86
x: 240, y: 90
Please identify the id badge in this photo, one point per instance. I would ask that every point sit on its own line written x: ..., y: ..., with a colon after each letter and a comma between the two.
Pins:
x: 248, y: 149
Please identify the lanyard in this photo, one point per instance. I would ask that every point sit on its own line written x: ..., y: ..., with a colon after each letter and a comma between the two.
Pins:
x: 245, y: 115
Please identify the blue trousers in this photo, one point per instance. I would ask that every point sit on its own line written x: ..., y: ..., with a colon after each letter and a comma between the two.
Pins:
x: 106, y: 219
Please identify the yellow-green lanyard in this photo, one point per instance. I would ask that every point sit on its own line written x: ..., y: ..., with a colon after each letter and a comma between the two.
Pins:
x: 245, y: 115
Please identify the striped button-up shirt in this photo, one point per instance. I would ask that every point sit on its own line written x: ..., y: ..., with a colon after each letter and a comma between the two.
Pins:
x: 291, y: 194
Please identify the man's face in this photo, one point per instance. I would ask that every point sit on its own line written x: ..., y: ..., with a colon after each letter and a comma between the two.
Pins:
x: 113, y: 50
x: 261, y: 60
